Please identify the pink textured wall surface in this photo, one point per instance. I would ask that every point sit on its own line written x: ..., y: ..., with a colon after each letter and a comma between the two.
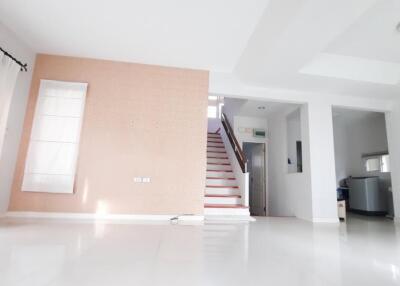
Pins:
x: 139, y: 120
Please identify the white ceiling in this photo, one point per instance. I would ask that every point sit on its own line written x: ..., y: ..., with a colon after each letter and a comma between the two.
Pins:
x: 353, y: 68
x: 373, y: 35
x: 250, y: 108
x: 269, y: 43
x: 206, y: 34
x: 291, y: 35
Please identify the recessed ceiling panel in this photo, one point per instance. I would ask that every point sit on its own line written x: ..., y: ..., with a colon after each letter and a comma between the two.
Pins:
x: 353, y: 68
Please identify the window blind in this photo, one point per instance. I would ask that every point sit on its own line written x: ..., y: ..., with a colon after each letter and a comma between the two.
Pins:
x: 54, y: 142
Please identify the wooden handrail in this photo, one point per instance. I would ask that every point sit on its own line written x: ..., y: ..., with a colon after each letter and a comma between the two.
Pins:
x: 240, y: 156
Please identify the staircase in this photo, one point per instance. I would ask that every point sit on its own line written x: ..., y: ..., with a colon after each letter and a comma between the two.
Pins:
x: 222, y: 194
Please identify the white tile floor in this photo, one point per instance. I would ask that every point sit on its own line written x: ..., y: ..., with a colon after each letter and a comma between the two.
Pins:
x: 271, y: 251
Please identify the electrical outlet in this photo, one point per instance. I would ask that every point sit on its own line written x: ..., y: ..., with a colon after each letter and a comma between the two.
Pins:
x: 138, y: 180
x: 146, y: 179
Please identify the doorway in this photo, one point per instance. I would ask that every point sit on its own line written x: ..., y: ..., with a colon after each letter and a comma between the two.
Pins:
x: 364, y: 185
x: 255, y: 153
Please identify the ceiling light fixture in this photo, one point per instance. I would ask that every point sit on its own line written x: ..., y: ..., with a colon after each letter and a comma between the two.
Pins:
x: 398, y: 27
x: 261, y: 107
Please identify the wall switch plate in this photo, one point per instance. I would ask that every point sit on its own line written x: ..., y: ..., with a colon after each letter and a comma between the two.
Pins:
x: 137, y: 179
x: 146, y: 179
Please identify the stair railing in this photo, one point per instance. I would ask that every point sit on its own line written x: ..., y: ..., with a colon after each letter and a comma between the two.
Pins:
x: 240, y: 156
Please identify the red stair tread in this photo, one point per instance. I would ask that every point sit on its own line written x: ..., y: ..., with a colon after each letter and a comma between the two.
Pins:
x: 219, y: 178
x: 227, y: 171
x: 212, y: 186
x: 225, y: 206
x: 211, y: 157
x: 223, y: 196
x: 218, y: 164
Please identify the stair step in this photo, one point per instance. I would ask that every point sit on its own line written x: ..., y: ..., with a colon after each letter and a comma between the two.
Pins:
x: 222, y: 196
x: 219, y: 167
x: 222, y: 191
x: 217, y: 161
x: 214, y: 157
x: 229, y: 212
x: 216, y: 149
x: 221, y: 182
x: 222, y: 200
x: 215, y: 141
x: 225, y: 206
x: 217, y: 146
x: 220, y: 178
x: 216, y: 186
x: 220, y: 175
x: 217, y: 153
x: 223, y: 171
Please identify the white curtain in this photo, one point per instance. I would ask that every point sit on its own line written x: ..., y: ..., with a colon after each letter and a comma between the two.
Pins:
x: 54, y: 144
x: 8, y: 77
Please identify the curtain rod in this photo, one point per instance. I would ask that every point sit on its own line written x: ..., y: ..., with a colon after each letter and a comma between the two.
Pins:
x: 24, y: 67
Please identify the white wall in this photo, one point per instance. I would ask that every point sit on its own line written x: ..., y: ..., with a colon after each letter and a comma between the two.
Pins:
x: 17, y: 112
x: 322, y: 161
x: 355, y: 136
x: 342, y: 165
x: 243, y: 124
x: 214, y: 123
x: 243, y: 127
x: 289, y: 193
x: 231, y: 108
x: 393, y: 134
x: 281, y: 197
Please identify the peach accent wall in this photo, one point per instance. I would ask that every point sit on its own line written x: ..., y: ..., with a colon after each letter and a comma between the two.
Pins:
x: 139, y: 120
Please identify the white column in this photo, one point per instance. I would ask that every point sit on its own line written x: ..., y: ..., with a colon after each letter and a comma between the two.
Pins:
x: 393, y: 134
x: 322, y: 162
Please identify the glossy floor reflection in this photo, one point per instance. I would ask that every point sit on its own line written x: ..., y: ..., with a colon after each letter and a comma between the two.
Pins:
x: 270, y: 251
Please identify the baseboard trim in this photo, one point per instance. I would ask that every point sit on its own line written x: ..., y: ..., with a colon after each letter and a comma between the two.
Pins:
x: 94, y: 216
x: 325, y: 220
